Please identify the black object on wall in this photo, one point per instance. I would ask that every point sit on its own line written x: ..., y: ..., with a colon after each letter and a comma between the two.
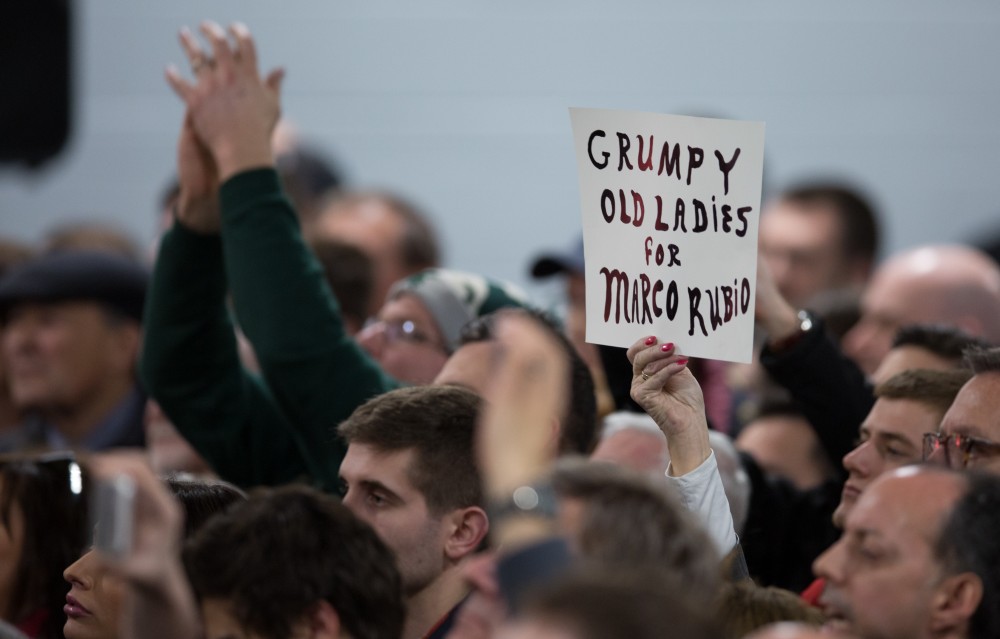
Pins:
x: 35, y: 83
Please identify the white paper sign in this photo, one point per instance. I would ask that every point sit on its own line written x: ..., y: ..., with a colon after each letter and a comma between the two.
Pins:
x: 670, y: 209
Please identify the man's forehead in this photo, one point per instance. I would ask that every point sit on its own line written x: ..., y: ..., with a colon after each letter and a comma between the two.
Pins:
x: 910, y: 501
x: 78, y: 312
x: 900, y: 417
x: 405, y: 306
x: 71, y: 303
x: 367, y: 462
x: 366, y: 219
x: 815, y: 213
x: 976, y: 409
x: 907, y: 357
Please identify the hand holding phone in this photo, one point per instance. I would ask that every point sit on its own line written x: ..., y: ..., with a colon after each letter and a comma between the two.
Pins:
x: 112, y: 513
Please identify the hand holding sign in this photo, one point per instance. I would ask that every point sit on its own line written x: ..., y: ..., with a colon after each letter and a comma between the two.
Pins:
x: 669, y: 209
x: 670, y: 394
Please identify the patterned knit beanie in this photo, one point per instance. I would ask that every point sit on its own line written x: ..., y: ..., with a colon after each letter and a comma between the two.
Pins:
x: 455, y: 298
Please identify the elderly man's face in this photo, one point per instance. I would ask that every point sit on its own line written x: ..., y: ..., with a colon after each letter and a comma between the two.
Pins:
x: 59, y: 355
x: 882, y: 577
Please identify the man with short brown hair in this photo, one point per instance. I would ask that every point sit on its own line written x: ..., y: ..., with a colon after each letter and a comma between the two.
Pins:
x: 409, y: 472
x: 891, y: 436
x: 817, y: 238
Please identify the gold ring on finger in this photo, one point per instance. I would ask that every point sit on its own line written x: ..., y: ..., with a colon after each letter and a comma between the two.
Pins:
x: 200, y: 63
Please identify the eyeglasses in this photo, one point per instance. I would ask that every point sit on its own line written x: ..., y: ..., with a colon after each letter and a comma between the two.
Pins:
x: 960, y: 451
x: 401, y: 331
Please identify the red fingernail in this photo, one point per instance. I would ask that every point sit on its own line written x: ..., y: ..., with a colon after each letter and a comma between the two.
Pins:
x: 669, y: 346
x: 650, y: 341
x: 682, y: 361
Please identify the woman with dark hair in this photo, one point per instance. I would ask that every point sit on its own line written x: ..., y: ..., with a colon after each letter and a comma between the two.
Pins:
x: 43, y: 526
x: 94, y: 603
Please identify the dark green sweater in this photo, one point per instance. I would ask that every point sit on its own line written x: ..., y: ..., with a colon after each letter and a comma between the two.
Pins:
x: 254, y: 431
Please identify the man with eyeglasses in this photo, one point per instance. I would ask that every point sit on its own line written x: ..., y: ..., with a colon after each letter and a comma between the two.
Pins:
x: 969, y: 436
x: 906, y: 405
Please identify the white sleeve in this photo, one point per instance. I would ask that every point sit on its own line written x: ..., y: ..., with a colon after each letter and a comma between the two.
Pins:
x: 702, y: 493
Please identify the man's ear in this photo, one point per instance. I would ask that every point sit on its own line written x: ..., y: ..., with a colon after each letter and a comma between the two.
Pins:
x: 956, y: 600
x: 127, y: 340
x: 324, y: 622
x: 467, y: 529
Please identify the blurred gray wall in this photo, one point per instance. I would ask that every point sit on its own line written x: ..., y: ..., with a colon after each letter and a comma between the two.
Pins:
x: 462, y: 105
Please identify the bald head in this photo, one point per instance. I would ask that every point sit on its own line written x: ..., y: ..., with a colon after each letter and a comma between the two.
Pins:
x: 941, y: 284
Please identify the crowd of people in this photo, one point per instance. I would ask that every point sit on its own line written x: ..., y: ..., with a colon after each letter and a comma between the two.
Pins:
x: 308, y: 427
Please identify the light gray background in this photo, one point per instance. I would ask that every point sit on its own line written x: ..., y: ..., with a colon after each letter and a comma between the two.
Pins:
x: 462, y: 105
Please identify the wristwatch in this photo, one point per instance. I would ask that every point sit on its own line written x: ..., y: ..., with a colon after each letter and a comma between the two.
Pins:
x: 806, y: 322
x: 533, y: 500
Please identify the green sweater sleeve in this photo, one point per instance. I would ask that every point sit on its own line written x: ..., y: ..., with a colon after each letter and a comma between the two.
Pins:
x: 317, y: 372
x: 190, y: 365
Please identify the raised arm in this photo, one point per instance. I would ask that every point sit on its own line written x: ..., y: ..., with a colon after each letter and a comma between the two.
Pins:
x: 516, y: 444
x: 190, y: 362
x: 830, y: 388
x: 318, y: 374
x: 670, y: 394
x: 191, y: 366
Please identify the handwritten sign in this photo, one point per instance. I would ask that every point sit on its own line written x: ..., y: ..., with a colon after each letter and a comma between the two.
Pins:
x: 670, y: 208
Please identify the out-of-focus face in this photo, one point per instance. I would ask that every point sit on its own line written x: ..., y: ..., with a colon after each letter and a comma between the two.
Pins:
x: 377, y: 230
x: 910, y: 357
x: 976, y: 414
x: 576, y: 321
x: 381, y: 493
x: 882, y: 575
x: 890, y: 437
x: 94, y: 603
x: 11, y: 547
x: 802, y: 249
x: 896, y: 297
x: 785, y: 446
x: 58, y: 355
x: 406, y: 341
x: 471, y: 366
x: 640, y: 450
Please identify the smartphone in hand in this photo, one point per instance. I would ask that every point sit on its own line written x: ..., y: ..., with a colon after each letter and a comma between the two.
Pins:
x: 112, y: 513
